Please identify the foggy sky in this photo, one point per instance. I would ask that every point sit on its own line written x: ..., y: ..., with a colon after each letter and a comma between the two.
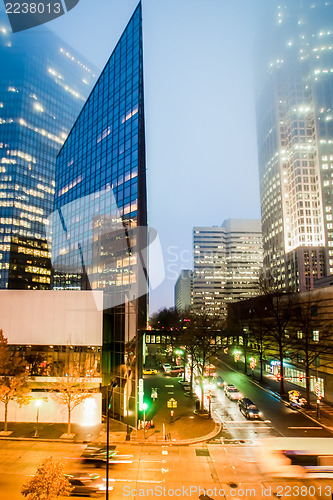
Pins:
x: 199, y: 105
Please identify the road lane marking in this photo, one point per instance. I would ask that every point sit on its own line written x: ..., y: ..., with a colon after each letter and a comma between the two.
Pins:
x: 169, y: 386
x: 312, y: 428
x: 240, y: 427
x: 139, y: 481
x: 247, y: 422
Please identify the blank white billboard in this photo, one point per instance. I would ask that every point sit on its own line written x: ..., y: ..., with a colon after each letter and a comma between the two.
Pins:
x: 50, y: 317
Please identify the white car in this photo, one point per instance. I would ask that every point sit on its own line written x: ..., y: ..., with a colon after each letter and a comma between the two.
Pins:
x: 167, y: 367
x: 233, y: 393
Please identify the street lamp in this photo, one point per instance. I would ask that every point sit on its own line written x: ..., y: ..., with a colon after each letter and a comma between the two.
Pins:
x: 113, y: 385
x: 144, y: 407
x: 38, y: 403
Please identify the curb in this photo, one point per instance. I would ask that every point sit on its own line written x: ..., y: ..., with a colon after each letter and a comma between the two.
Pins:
x: 44, y: 440
x: 181, y: 442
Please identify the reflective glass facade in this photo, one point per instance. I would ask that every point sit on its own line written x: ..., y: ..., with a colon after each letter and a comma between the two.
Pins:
x: 43, y: 86
x: 100, y: 218
x: 295, y: 141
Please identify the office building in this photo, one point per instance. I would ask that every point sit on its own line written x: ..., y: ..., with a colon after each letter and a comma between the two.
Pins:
x: 227, y: 264
x: 295, y: 141
x: 43, y: 86
x: 99, y: 226
x: 184, y: 290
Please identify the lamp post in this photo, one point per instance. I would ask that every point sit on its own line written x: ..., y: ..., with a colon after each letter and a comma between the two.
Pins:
x: 144, y: 407
x: 113, y: 385
x: 38, y: 403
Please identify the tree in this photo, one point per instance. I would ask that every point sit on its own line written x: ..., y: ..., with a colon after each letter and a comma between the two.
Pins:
x: 48, y: 483
x: 259, y: 337
x: 72, y: 390
x: 13, y: 378
x: 312, y: 335
x: 166, y: 318
x: 238, y: 326
x: 278, y: 306
x: 199, y: 338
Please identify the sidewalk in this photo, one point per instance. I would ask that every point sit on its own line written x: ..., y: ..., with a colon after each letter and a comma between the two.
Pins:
x: 186, y: 428
x: 50, y: 432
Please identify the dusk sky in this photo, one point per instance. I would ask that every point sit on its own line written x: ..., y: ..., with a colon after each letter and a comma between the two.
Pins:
x: 199, y: 105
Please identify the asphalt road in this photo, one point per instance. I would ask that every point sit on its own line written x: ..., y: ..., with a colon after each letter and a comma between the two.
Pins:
x: 223, y: 472
x: 278, y: 418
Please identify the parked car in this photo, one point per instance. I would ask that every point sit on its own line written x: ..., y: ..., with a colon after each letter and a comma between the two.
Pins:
x: 149, y: 371
x: 176, y: 370
x: 86, y: 484
x: 232, y: 393
x: 167, y: 367
x: 249, y: 409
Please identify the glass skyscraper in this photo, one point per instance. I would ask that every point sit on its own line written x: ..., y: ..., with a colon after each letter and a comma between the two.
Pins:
x: 295, y: 140
x: 99, y: 223
x: 43, y: 86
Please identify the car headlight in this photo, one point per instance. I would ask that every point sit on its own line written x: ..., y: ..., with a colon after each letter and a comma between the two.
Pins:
x: 260, y: 414
x: 250, y: 413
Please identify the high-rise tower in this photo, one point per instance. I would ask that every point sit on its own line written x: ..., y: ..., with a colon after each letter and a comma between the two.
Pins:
x: 295, y: 141
x: 43, y: 86
x: 227, y: 264
x: 100, y: 218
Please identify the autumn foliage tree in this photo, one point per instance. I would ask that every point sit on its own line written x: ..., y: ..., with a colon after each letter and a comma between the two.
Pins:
x: 48, y: 483
x: 71, y: 390
x: 13, y: 378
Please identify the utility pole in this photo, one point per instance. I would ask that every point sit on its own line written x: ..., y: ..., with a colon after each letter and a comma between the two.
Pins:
x: 113, y: 385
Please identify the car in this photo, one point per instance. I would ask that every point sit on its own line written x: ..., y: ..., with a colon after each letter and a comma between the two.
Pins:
x: 167, y: 367
x: 219, y: 381
x: 232, y: 393
x: 95, y: 455
x: 176, y: 370
x: 86, y: 484
x: 249, y: 409
x: 149, y: 371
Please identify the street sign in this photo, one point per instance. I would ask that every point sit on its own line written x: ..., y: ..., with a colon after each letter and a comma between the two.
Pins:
x: 172, y: 403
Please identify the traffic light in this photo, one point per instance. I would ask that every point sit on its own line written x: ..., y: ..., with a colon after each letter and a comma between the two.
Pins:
x: 300, y: 377
x: 278, y: 376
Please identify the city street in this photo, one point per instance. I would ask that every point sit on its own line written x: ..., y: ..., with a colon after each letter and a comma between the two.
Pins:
x: 223, y: 471
x: 278, y: 419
